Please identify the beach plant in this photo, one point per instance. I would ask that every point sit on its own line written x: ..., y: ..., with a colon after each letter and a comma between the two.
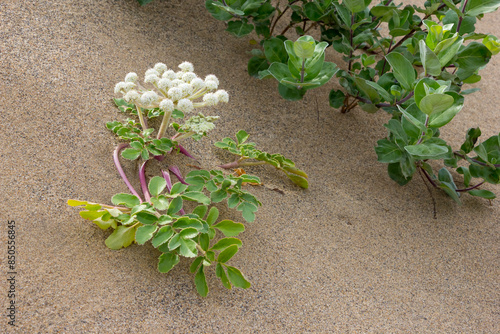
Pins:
x: 411, y: 61
x: 162, y: 214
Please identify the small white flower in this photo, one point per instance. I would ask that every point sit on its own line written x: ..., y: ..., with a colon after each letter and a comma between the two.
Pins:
x: 187, y: 89
x: 222, y: 95
x: 210, y: 99
x: 165, y: 84
x: 179, y: 75
x: 177, y: 82
x: 149, y: 98
x: 128, y: 86
x: 119, y: 87
x: 175, y: 93
x: 186, y: 67
x: 200, y: 124
x: 185, y: 105
x: 212, y: 77
x: 160, y: 67
x: 167, y: 105
x: 169, y: 75
x: 131, y: 77
x: 188, y: 77
x: 151, y: 78
x: 197, y: 84
x: 131, y: 96
x: 151, y: 71
x: 211, y: 84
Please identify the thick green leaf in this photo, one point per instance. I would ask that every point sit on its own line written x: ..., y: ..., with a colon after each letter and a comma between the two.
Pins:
x: 387, y: 151
x: 146, y: 218
x: 396, y: 174
x: 185, y: 222
x: 275, y: 51
x: 187, y: 248
x: 248, y: 211
x: 218, y: 196
x: 91, y: 215
x: 197, y: 197
x: 213, y: 214
x: 175, y: 206
x: 237, y: 278
x: 201, y: 282
x: 219, y: 272
x: 336, y: 98
x: 131, y: 153
x: 126, y: 199
x: 356, y: 5
x: 156, y: 185
x: 478, y: 7
x: 427, y: 151
x: 471, y: 58
x: 430, y: 60
x: 73, y: 202
x: 370, y: 92
x: 226, y: 242
x: 227, y: 254
x: 440, y: 118
x: 167, y: 261
x: 196, y: 263
x: 217, y: 12
x: 436, y: 103
x: 298, y: 180
x: 242, y: 136
x: 122, y: 237
x: 144, y: 233
x: 160, y: 203
x: 256, y: 65
x: 162, y: 236
x: 239, y: 28
x: 303, y: 49
x: 482, y: 193
x: 402, y: 69
x: 230, y: 228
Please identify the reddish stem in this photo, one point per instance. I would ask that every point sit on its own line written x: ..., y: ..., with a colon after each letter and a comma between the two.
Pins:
x: 116, y: 159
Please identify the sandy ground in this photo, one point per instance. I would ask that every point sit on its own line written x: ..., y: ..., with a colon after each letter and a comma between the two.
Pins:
x: 354, y: 253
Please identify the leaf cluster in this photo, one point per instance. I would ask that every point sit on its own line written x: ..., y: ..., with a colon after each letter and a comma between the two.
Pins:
x: 247, y: 150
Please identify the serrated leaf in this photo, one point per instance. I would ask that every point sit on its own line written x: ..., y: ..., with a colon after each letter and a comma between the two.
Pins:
x: 196, y: 196
x: 175, y: 206
x: 125, y: 199
x: 162, y: 236
x: 156, y: 185
x: 131, y: 153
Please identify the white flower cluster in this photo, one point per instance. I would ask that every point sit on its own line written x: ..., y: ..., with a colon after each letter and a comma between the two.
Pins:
x: 199, y: 124
x: 169, y: 90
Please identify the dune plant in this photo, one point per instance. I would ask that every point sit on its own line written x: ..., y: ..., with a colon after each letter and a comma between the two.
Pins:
x: 408, y: 60
x: 161, y: 214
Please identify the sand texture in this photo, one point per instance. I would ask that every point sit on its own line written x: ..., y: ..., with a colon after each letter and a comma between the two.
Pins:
x: 355, y: 253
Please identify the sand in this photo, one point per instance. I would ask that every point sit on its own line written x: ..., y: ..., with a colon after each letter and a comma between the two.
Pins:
x: 355, y: 253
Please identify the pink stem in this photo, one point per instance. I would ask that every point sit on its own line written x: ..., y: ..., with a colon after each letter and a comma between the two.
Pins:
x: 176, y: 171
x: 144, y: 183
x: 116, y: 159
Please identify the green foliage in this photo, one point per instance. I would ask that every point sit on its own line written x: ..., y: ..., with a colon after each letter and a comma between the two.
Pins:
x: 246, y: 151
x: 415, y: 73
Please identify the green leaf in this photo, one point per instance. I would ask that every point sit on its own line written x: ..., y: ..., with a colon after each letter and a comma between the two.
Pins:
x: 226, y: 242
x: 387, y: 151
x: 218, y: 196
x: 470, y: 139
x: 436, y: 103
x: 336, y: 98
x: 188, y: 248
x: 471, y: 58
x: 185, y: 222
x: 298, y: 180
x: 162, y: 236
x: 370, y: 92
x: 201, y: 282
x: 213, y: 214
x: 275, y: 51
x: 160, y: 203
x: 144, y: 233
x: 248, y: 211
x: 478, y: 7
x: 131, y: 153
x: 227, y: 254
x: 196, y: 196
x: 239, y: 28
x: 237, y: 278
x: 356, y: 5
x: 146, y: 218
x: 430, y: 60
x: 448, y: 185
x: 402, y: 69
x: 230, y: 228
x: 219, y: 272
x: 256, y: 65
x: 167, y: 261
x: 91, y: 215
x: 440, y: 118
x: 73, y: 202
x: 126, y: 199
x: 427, y: 151
x: 196, y: 263
x: 175, y: 206
x: 396, y: 174
x: 156, y: 185
x: 122, y: 237
x: 303, y: 49
x: 482, y: 193
x: 465, y: 172
x: 291, y: 93
x: 200, y: 211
